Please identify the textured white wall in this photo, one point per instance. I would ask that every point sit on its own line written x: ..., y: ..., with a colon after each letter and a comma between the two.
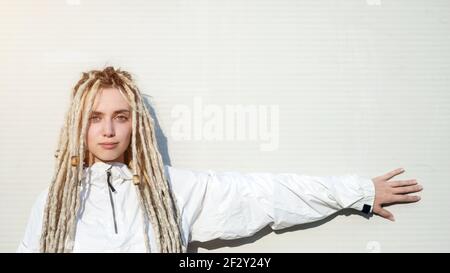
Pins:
x: 361, y: 86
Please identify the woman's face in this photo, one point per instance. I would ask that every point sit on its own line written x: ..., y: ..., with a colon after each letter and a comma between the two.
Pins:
x: 109, y: 130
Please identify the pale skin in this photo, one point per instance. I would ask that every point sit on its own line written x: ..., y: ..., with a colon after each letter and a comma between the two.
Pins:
x: 111, y: 122
x: 389, y: 192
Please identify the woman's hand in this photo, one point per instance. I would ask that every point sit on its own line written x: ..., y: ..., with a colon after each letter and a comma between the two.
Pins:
x: 393, y: 192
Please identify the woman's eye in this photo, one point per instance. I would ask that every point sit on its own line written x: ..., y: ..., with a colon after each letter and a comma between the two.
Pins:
x: 122, y: 118
x: 95, y: 118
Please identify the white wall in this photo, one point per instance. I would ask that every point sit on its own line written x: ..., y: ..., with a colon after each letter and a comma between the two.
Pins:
x: 362, y: 86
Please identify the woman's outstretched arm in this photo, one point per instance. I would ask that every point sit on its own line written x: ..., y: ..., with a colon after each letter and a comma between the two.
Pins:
x: 230, y: 205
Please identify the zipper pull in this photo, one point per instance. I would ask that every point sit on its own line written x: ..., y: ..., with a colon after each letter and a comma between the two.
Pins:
x: 108, y: 175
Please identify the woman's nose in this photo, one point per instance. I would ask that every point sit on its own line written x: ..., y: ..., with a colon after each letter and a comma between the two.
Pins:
x: 108, y: 129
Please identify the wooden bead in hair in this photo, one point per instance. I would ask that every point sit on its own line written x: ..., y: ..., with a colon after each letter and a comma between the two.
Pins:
x: 136, y: 179
x: 74, y: 161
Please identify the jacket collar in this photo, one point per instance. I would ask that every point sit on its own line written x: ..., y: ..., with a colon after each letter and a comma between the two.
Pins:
x: 96, y: 173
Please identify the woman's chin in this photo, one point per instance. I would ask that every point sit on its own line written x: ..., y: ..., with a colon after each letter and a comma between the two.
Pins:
x: 108, y: 158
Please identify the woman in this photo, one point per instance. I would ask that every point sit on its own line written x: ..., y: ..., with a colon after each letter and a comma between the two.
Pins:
x: 111, y: 192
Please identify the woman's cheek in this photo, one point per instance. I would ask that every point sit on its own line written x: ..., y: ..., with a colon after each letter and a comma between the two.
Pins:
x: 125, y: 131
x: 93, y: 132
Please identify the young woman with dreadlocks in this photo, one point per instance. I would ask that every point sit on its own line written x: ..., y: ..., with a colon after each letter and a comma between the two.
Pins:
x: 111, y: 192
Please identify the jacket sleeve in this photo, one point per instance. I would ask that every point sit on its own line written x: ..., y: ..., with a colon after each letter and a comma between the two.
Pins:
x: 31, y: 239
x: 231, y: 205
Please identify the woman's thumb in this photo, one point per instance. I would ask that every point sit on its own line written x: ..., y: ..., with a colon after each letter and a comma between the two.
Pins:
x: 386, y: 214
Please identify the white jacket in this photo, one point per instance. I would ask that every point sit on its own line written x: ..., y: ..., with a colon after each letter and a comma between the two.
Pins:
x: 226, y: 205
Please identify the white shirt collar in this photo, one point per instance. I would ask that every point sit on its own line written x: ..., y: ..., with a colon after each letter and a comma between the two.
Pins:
x: 97, y: 171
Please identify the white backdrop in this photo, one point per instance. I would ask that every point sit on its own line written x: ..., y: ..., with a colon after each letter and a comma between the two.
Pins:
x: 354, y: 86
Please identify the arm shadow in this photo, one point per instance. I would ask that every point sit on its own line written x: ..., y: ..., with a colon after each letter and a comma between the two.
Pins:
x: 218, y: 243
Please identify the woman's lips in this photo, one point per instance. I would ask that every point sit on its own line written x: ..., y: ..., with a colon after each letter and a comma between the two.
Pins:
x: 108, y: 146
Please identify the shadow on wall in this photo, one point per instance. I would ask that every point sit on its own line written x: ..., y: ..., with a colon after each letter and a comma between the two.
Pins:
x: 160, y: 137
x: 217, y: 243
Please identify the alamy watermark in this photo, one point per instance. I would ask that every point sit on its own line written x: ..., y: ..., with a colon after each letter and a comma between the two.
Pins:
x: 373, y: 247
x: 229, y: 122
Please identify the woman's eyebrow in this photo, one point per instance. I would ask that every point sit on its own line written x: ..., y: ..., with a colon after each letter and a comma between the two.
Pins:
x: 115, y: 112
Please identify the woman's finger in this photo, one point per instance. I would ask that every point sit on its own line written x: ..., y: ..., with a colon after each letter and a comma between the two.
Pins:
x: 393, y: 173
x: 402, y: 183
x: 407, y: 189
x: 405, y: 198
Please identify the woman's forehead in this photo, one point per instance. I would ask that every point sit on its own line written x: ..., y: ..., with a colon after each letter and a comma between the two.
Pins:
x: 109, y: 100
